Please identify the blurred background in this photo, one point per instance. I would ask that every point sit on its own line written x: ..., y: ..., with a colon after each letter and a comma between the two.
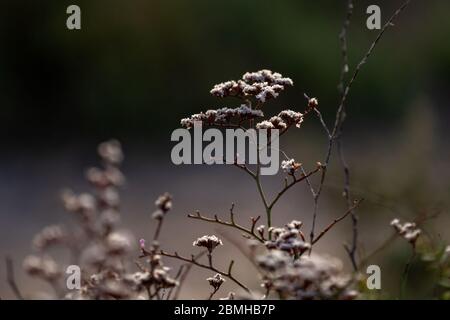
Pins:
x: 137, y: 67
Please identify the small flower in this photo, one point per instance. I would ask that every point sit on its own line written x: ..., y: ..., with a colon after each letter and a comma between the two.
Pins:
x: 111, y: 152
x: 313, y: 103
x: 260, y: 229
x: 164, y: 202
x: 118, y: 243
x: 208, y: 242
x: 294, y: 224
x: 263, y: 85
x: 408, y: 230
x: 278, y: 123
x: 43, y: 267
x: 273, y: 261
x: 222, y: 116
x: 142, y: 244
x: 216, y: 281
x: 265, y: 125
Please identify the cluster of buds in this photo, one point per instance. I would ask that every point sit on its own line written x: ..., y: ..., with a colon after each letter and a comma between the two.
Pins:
x: 306, y: 278
x: 216, y: 281
x: 289, y: 239
x: 222, y: 117
x: 208, y: 242
x: 157, y: 273
x: 262, y: 85
x: 282, y: 121
x: 290, y: 166
x: 97, y: 244
x: 50, y: 235
x: 42, y: 267
x: 163, y: 205
x: 100, y: 209
x: 408, y: 230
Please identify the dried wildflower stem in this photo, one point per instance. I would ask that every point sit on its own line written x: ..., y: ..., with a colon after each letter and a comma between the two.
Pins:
x: 194, y: 261
x: 257, y: 179
x: 418, y: 220
x: 11, y: 278
x: 183, y: 276
x: 344, y: 46
x: 231, y: 223
x: 339, y: 113
x: 335, y: 221
x: 213, y: 293
x: 333, y: 134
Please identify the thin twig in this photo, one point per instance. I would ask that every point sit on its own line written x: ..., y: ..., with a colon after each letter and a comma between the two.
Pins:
x: 183, y: 277
x: 344, y: 70
x: 290, y: 185
x: 332, y: 224
x: 194, y: 261
x: 405, y: 274
x: 11, y: 278
x: 339, y: 113
x: 231, y: 223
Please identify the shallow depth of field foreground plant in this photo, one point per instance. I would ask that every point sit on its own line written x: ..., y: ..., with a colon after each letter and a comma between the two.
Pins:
x: 287, y: 263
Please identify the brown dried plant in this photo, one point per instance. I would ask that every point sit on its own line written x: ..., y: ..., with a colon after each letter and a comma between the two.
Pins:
x: 283, y: 256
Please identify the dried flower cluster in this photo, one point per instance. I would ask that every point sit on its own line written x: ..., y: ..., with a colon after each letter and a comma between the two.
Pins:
x: 262, y: 85
x: 97, y: 245
x: 289, y: 239
x: 222, y: 117
x: 306, y: 278
x: 163, y: 205
x: 290, y: 166
x: 208, y: 242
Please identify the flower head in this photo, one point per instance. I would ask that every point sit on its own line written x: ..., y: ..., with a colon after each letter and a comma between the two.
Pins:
x: 216, y: 281
x: 408, y: 230
x: 290, y: 166
x: 208, y: 242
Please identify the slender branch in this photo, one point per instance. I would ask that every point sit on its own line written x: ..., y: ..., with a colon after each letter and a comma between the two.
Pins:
x: 177, y: 276
x: 340, y: 111
x: 158, y: 229
x: 335, y: 221
x: 194, y: 261
x: 405, y: 274
x: 183, y: 277
x: 213, y: 293
x: 231, y: 223
x: 10, y: 277
x: 291, y: 184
